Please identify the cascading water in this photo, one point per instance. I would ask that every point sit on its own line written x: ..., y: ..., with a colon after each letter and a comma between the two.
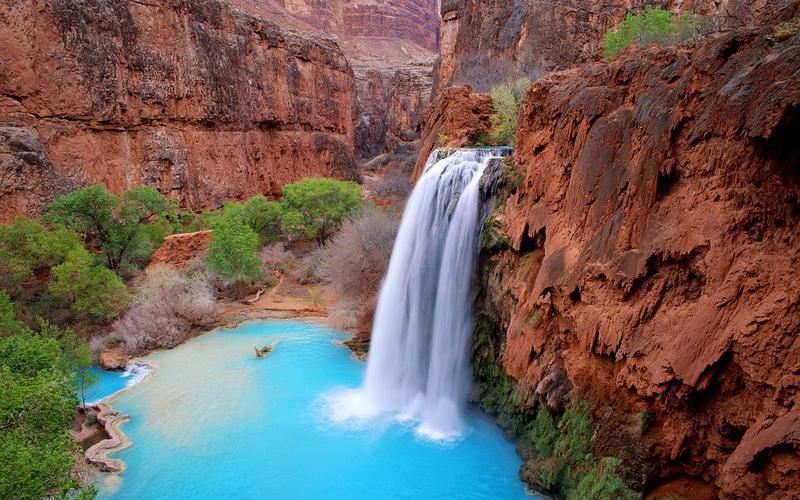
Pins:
x: 418, y: 362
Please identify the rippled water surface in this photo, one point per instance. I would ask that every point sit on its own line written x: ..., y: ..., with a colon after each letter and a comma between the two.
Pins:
x: 216, y: 422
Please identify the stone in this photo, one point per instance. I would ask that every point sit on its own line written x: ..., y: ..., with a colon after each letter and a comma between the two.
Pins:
x: 456, y: 118
x: 199, y: 99
x: 114, y: 358
x: 655, y: 232
x: 178, y: 250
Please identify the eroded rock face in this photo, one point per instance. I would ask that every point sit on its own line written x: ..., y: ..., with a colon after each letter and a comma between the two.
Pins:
x: 114, y: 358
x: 195, y: 97
x: 487, y: 42
x: 178, y: 250
x: 654, y: 255
x: 391, y: 45
x: 456, y: 118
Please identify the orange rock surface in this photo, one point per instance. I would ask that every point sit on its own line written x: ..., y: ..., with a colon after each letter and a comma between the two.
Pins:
x: 457, y: 117
x: 655, y: 254
x: 178, y: 249
x: 492, y: 41
x: 200, y: 99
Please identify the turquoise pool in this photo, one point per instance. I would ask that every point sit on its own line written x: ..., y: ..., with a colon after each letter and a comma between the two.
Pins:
x: 216, y: 422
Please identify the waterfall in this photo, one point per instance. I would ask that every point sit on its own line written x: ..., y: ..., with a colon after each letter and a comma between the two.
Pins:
x: 418, y: 363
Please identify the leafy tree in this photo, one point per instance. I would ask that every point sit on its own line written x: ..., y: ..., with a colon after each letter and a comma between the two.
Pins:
x: 232, y: 251
x: 199, y: 221
x: 8, y: 321
x: 316, y: 207
x: 26, y: 245
x: 78, y: 356
x: 92, y: 290
x: 506, y: 99
x: 264, y: 217
x: 37, y: 405
x: 654, y: 25
x: 261, y: 215
x: 116, y: 223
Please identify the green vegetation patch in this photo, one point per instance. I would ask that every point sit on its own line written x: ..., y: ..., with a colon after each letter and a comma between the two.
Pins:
x: 39, y: 371
x: 653, y: 25
x: 506, y: 101
x: 120, y: 226
x: 557, y: 449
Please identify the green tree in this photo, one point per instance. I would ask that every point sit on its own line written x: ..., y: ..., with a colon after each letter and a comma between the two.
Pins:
x: 315, y: 207
x: 26, y: 245
x: 37, y: 407
x: 264, y: 217
x: 8, y: 321
x: 653, y: 25
x: 116, y: 223
x: 261, y: 215
x: 92, y: 290
x: 232, y: 251
x: 78, y: 356
x: 506, y: 100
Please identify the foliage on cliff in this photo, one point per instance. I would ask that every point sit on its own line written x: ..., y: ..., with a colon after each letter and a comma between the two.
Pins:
x: 557, y: 450
x: 654, y: 25
x: 506, y: 100
x: 38, y: 372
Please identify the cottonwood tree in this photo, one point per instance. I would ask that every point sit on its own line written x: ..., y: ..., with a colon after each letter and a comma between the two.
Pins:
x: 232, y: 251
x: 316, y: 207
x: 92, y: 290
x: 115, y: 223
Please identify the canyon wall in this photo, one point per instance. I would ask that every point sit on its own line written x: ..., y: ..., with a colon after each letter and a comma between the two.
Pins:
x: 487, y: 42
x: 202, y: 100
x: 391, y: 45
x: 646, y: 260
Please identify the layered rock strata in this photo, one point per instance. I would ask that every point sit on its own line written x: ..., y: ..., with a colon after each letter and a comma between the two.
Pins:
x: 200, y: 99
x: 488, y: 42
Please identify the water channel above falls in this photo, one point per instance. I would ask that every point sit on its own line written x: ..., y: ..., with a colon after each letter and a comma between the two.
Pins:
x: 214, y: 421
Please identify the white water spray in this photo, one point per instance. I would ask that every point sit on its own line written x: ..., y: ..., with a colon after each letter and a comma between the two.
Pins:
x: 418, y: 361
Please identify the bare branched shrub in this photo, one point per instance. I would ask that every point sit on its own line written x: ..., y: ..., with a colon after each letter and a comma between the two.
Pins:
x: 306, y: 270
x: 354, y: 262
x: 170, y: 304
x: 395, y: 182
x: 274, y: 257
x: 345, y: 315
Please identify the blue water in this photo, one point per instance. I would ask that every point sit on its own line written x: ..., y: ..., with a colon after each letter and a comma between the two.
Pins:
x: 108, y: 383
x: 216, y: 422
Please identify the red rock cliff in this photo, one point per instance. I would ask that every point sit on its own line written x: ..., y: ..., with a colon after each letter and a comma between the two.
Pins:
x: 654, y: 255
x: 391, y: 45
x: 200, y: 99
x: 485, y: 42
